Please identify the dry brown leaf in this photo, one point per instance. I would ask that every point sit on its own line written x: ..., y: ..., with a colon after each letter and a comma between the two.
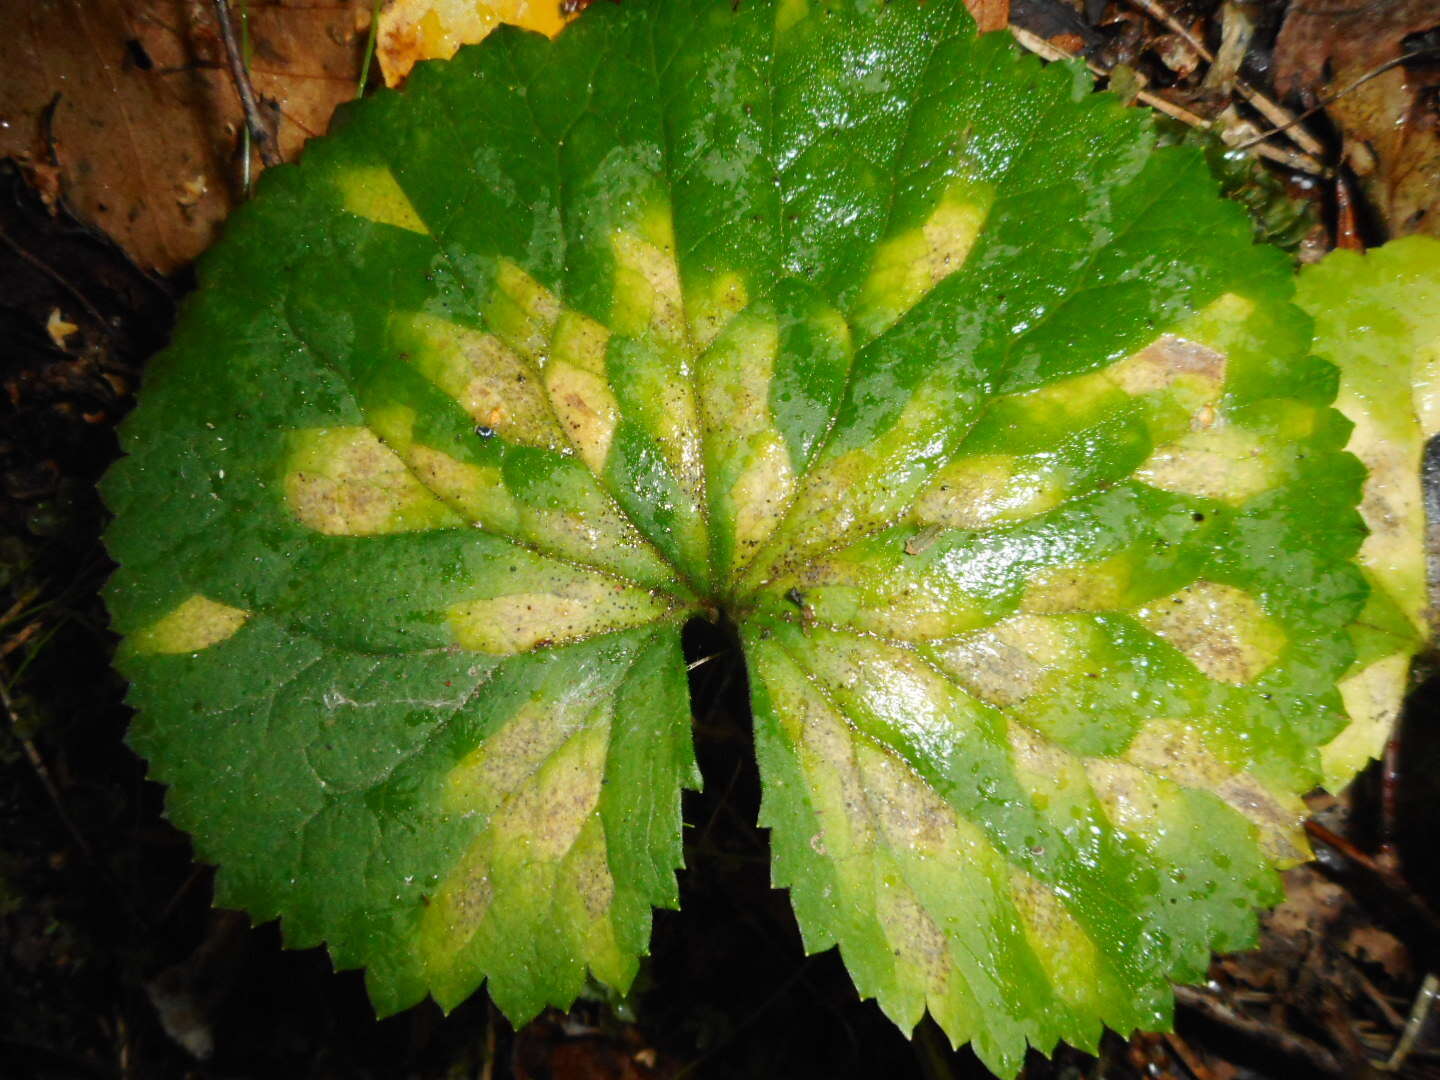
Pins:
x: 415, y: 30
x: 989, y: 14
x: 1371, y: 945
x: 145, y: 125
x: 1391, y: 121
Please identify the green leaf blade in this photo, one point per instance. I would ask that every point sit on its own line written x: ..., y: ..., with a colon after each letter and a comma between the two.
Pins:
x: 981, y: 418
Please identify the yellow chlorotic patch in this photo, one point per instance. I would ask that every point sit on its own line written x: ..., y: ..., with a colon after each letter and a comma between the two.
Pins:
x: 747, y: 451
x: 1097, y: 586
x: 579, y: 390
x: 477, y: 491
x: 345, y: 482
x: 579, y: 341
x: 1220, y: 324
x: 1221, y: 629
x: 1393, y: 507
x: 1179, y: 380
x: 539, y: 858
x: 508, y: 758
x: 458, y: 908
x: 196, y: 624
x: 1069, y: 957
x: 932, y: 880
x: 1372, y: 696
x: 546, y: 815
x: 415, y: 30
x: 790, y: 12
x: 712, y: 302
x: 909, y: 265
x: 858, y: 488
x: 665, y: 406
x: 647, y: 293
x: 1178, y: 751
x: 907, y: 603
x: 586, y: 408
x: 1217, y: 461
x: 1136, y: 802
x: 1017, y: 658
x: 522, y: 312
x: 570, y: 605
x: 480, y: 495
x: 919, y: 945
x: 760, y: 495
x: 985, y: 490
x: 372, y: 192
x: 485, y: 377
x: 911, y: 816
x: 1426, y: 367
x: 1068, y: 403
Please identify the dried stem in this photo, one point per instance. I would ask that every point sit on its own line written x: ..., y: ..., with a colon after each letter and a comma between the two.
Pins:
x: 1291, y: 1045
x: 1285, y: 121
x: 1049, y: 51
x: 1419, y: 1014
x: 260, y: 133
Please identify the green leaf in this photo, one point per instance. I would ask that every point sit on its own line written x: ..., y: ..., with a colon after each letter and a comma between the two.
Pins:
x: 1377, y: 318
x: 981, y: 417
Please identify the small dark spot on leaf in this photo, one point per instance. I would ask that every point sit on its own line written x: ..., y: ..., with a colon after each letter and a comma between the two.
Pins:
x: 484, y: 432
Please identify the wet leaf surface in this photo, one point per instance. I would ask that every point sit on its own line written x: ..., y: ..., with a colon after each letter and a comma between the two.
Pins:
x: 1043, y: 612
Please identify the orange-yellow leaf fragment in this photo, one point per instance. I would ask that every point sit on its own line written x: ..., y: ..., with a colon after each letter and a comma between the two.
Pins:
x: 415, y: 30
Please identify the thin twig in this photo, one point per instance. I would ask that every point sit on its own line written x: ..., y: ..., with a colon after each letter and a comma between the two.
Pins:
x: 1191, y: 1060
x: 1414, y: 1026
x: 55, y: 276
x: 370, y: 41
x: 1276, y: 113
x: 1327, y: 101
x: 1288, y: 1043
x: 1316, y: 831
x: 42, y: 772
x: 1047, y: 50
x: 263, y: 138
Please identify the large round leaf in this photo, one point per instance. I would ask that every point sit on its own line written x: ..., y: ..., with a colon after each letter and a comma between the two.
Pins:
x: 982, y: 420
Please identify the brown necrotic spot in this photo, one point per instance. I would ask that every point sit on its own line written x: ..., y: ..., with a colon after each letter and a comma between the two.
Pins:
x: 1173, y: 363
